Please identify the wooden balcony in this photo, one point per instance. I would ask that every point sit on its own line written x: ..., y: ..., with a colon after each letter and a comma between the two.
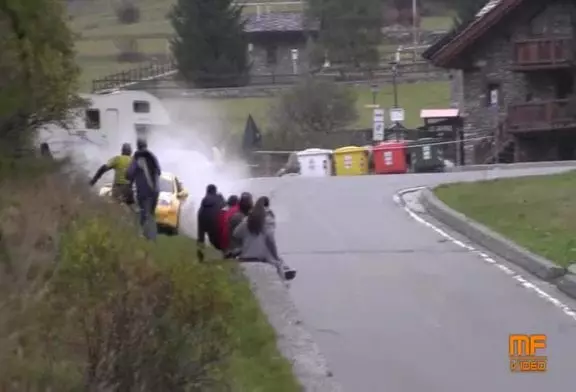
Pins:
x: 541, y: 116
x: 543, y: 53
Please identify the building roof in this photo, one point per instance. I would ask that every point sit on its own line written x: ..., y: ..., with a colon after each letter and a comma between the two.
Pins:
x: 460, y: 38
x: 279, y: 22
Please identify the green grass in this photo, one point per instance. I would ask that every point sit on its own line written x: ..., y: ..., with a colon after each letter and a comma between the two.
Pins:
x: 98, y: 29
x: 436, y: 23
x: 411, y: 96
x: 537, y: 212
x: 256, y: 365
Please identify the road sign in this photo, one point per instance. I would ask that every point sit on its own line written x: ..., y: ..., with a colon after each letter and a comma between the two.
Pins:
x: 397, y: 115
x: 294, y: 53
x: 378, y: 125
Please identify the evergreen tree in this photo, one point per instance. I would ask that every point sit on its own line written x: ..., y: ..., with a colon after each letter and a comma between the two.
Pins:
x: 210, y: 47
x: 350, y: 32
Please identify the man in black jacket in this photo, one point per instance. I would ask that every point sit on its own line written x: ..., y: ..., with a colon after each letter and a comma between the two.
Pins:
x: 208, y: 214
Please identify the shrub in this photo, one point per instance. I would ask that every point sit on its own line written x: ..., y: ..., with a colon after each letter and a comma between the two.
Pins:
x: 128, y: 13
x: 87, y: 305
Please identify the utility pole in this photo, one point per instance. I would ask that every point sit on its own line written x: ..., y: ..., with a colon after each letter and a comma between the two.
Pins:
x: 395, y: 82
x: 415, y: 25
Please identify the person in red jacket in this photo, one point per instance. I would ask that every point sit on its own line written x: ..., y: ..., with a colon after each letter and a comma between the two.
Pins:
x: 230, y: 209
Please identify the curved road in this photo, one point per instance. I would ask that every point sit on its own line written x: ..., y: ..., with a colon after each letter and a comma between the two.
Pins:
x: 397, y: 307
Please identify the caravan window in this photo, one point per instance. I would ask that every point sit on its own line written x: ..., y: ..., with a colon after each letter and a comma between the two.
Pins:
x: 141, y: 106
x: 92, y: 119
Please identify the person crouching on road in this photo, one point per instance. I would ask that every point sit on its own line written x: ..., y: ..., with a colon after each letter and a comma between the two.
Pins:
x: 258, y: 244
x: 121, y: 187
x: 208, y: 214
x: 144, y: 171
x: 226, y: 213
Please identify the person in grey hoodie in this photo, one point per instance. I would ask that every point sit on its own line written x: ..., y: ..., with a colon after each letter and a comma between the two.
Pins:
x: 270, y: 222
x: 144, y: 171
x: 258, y: 243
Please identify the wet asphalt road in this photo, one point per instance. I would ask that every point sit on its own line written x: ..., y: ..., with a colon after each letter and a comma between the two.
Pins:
x: 396, y: 307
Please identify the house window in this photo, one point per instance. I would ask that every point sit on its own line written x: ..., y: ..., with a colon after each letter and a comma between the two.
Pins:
x: 141, y: 106
x: 493, y: 94
x: 92, y: 118
x: 271, y: 55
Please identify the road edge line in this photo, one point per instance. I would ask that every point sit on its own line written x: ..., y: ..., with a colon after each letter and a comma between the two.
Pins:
x: 566, y: 284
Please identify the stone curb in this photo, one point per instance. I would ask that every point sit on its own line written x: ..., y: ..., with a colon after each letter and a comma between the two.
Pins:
x: 537, y: 265
x: 505, y: 166
x: 294, y: 341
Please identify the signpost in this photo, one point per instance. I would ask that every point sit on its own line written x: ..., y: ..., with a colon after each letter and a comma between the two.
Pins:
x: 294, y: 53
x: 397, y: 115
x: 378, y: 125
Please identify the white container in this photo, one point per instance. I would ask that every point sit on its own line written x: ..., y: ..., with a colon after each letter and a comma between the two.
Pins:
x: 315, y: 162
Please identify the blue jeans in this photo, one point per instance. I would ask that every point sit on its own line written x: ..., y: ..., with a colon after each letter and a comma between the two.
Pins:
x: 148, y: 216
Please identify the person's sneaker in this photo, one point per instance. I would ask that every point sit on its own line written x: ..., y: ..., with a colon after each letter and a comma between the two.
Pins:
x: 289, y: 273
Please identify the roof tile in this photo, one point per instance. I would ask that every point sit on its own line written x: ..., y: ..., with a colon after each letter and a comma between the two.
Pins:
x: 279, y: 22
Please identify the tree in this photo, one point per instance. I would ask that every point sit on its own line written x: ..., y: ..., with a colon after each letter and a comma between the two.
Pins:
x: 38, y: 73
x: 128, y: 13
x: 350, y: 32
x: 465, y: 9
x: 310, y: 108
x: 210, y: 47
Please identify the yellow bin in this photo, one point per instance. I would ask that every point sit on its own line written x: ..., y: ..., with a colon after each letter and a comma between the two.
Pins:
x: 350, y: 161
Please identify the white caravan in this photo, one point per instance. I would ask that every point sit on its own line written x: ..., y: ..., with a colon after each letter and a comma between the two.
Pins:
x: 109, y: 120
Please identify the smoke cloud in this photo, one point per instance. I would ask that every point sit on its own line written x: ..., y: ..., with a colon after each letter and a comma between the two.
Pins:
x: 191, y: 148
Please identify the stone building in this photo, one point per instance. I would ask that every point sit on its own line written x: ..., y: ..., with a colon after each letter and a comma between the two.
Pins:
x: 279, y: 42
x: 518, y: 75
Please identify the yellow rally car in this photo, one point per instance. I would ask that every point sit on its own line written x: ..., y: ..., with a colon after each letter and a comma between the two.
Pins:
x: 172, y: 196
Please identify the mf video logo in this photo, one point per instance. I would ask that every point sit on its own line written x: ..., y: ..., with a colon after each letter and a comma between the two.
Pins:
x: 527, y: 353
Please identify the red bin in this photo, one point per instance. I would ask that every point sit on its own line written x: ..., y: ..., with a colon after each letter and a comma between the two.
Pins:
x: 390, y: 158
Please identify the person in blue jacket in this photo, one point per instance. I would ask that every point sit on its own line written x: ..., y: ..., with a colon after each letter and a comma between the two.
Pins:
x: 144, y: 171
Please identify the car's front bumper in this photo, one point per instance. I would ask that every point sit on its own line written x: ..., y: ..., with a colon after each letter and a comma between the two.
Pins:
x: 167, y: 216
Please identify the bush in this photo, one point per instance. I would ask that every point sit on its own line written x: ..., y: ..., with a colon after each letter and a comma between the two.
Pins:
x: 87, y: 305
x: 128, y: 13
x: 313, y: 107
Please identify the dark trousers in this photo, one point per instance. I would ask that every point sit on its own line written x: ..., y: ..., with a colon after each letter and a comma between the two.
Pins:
x: 147, y: 207
x: 123, y: 193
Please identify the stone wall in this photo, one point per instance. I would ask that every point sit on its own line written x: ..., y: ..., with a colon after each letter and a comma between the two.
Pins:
x: 494, y: 56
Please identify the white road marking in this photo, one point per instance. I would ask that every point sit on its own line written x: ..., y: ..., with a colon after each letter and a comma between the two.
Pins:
x: 527, y: 284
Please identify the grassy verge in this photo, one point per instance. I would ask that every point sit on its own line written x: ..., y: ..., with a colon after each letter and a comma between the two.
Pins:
x: 411, y: 96
x: 537, y: 212
x: 98, y: 32
x: 86, y: 304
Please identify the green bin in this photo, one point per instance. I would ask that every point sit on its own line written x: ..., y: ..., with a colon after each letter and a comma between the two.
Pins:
x: 425, y: 155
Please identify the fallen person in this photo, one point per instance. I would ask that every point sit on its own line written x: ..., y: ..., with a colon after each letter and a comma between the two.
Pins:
x: 258, y: 244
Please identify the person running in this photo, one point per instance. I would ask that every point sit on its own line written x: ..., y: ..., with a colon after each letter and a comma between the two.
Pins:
x: 121, y: 186
x: 258, y: 244
x: 208, y: 213
x: 226, y: 213
x: 144, y: 170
